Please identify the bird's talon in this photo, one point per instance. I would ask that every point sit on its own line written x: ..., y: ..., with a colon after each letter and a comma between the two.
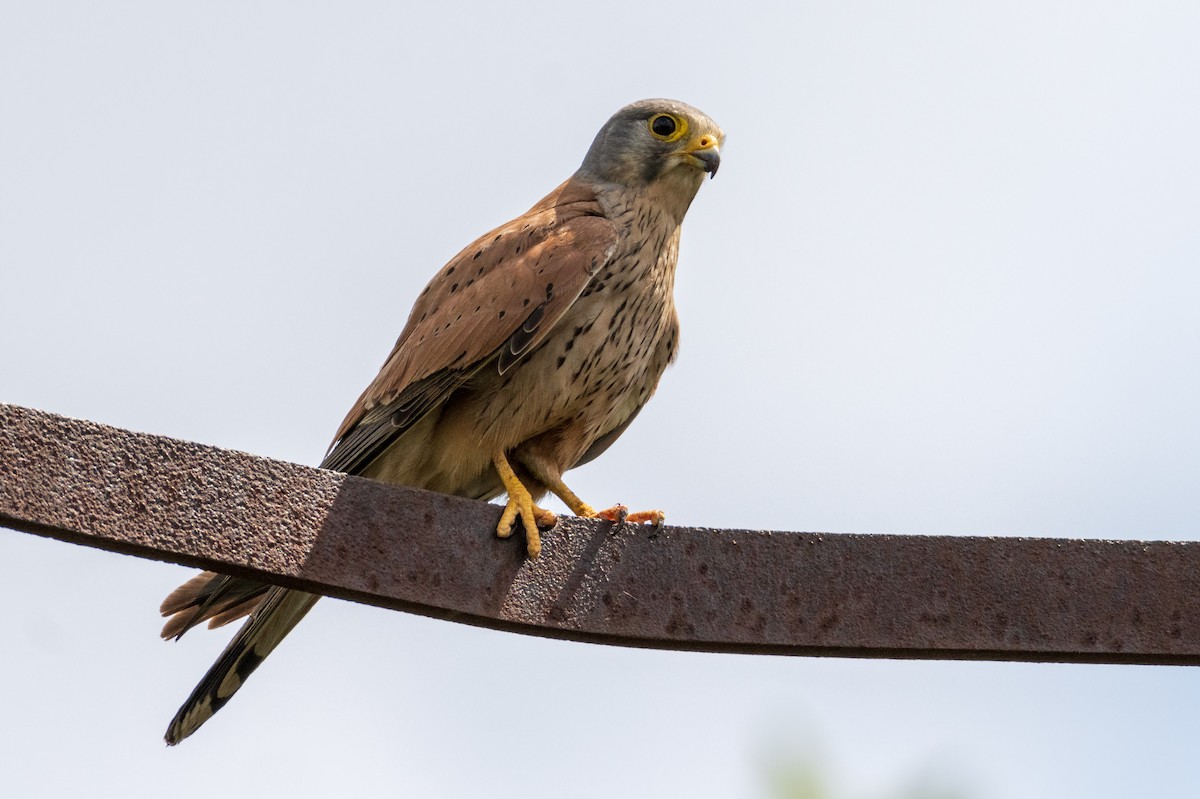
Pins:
x: 655, y: 517
x: 617, y: 513
x: 520, y: 504
x: 531, y: 517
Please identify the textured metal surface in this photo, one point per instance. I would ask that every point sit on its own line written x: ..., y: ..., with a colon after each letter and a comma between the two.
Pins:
x: 716, y: 590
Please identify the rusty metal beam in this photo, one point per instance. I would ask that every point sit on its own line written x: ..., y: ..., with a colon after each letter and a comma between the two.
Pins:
x: 714, y: 590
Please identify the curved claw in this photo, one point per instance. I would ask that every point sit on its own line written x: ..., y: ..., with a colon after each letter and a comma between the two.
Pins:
x: 617, y: 513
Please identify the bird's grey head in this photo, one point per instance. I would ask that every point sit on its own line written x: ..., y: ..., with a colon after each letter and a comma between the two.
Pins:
x: 662, y: 143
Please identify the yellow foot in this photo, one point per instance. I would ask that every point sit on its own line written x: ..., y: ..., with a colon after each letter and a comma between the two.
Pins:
x: 617, y: 513
x: 520, y: 503
x: 620, y: 514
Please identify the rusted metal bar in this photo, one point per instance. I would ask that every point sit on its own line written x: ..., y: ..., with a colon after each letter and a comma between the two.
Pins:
x: 714, y: 590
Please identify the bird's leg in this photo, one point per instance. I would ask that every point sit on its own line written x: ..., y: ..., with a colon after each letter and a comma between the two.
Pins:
x: 617, y: 513
x: 569, y: 498
x: 520, y: 503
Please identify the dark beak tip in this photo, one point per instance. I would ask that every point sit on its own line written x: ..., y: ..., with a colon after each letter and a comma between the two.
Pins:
x: 711, y: 160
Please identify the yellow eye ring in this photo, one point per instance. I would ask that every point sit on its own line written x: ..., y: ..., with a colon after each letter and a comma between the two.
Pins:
x: 667, y: 127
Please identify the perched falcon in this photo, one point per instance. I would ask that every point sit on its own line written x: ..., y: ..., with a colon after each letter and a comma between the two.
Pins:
x: 525, y: 356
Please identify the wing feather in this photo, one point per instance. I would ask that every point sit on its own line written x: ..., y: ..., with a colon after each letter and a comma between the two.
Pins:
x: 493, y: 302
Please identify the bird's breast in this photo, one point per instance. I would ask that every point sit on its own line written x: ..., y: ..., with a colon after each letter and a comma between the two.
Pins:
x: 603, y: 359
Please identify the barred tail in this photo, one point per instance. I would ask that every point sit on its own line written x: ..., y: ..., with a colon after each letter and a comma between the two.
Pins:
x: 280, y: 610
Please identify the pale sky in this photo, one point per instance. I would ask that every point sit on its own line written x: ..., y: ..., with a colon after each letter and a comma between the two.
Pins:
x: 946, y: 282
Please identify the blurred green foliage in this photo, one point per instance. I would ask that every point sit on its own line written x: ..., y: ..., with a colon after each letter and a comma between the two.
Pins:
x: 801, y: 776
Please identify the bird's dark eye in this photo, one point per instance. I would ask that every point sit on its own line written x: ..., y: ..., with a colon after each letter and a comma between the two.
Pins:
x: 666, y: 127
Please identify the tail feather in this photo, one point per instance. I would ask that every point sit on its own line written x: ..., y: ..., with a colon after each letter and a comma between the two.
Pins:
x: 280, y: 610
x: 230, y: 612
x: 215, y: 598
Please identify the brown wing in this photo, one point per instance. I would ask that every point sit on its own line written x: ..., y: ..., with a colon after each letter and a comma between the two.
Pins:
x: 492, y: 303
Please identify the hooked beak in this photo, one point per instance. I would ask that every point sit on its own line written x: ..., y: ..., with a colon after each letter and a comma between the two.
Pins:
x: 704, y: 152
x: 709, y: 158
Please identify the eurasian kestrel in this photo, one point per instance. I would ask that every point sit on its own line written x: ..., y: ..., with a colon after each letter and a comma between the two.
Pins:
x: 527, y: 355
